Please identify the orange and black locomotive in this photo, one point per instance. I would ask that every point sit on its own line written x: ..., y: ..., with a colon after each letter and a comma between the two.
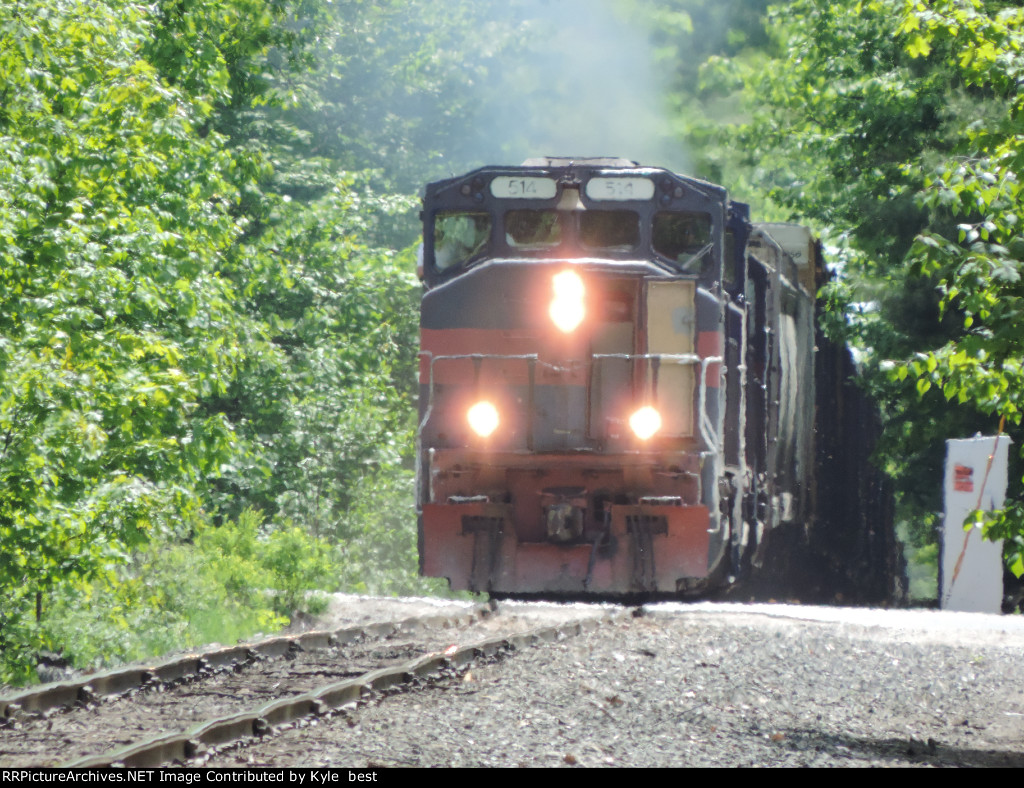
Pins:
x: 616, y: 380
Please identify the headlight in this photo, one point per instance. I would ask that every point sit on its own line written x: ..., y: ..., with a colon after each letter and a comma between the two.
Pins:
x: 645, y: 422
x: 566, y: 308
x: 483, y: 418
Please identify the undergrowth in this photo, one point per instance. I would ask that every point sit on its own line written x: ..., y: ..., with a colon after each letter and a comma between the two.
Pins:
x: 224, y: 583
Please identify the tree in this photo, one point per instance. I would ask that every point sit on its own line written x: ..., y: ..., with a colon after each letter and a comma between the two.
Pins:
x: 979, y: 268
x: 114, y: 324
x: 894, y: 126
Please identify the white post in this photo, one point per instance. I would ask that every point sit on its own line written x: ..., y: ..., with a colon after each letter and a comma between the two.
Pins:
x: 972, y: 568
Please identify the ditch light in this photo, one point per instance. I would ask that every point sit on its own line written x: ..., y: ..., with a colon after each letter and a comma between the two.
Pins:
x: 483, y: 418
x: 645, y: 422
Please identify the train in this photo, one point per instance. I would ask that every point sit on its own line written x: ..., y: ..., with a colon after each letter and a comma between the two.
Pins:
x: 623, y: 391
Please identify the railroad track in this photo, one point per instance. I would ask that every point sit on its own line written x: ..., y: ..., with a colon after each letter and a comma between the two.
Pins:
x: 185, y: 708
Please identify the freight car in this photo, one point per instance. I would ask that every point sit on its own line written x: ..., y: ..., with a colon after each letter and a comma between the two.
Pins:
x: 617, y: 381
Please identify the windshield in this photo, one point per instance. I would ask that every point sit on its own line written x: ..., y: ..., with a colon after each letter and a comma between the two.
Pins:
x: 459, y: 237
x: 683, y: 237
x: 531, y: 230
x: 610, y: 231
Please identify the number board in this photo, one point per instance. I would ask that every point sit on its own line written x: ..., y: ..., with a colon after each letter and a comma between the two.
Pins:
x: 620, y: 189
x: 523, y: 188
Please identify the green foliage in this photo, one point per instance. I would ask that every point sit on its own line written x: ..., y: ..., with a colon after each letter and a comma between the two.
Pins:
x: 976, y: 265
x: 199, y: 315
x: 113, y: 323
x: 1005, y: 524
x: 298, y: 564
x: 396, y: 87
x: 922, y: 557
x: 343, y: 317
x: 377, y: 535
x: 894, y: 126
x: 692, y: 41
x: 227, y: 583
x: 275, y: 569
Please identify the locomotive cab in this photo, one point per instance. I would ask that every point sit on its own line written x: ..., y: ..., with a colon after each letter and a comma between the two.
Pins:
x: 572, y: 385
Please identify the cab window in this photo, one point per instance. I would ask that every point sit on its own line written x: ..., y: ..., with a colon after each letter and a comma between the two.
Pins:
x: 684, y: 238
x: 609, y: 231
x: 459, y: 237
x: 532, y: 230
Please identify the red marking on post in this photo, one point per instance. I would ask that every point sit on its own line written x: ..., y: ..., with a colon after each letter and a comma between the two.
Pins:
x: 963, y: 478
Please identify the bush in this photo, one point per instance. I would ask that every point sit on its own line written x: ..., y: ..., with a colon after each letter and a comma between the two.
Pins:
x: 377, y: 538
x: 229, y: 582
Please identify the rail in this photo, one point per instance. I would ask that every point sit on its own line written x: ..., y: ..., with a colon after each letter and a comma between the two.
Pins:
x: 117, y: 681
x: 196, y: 742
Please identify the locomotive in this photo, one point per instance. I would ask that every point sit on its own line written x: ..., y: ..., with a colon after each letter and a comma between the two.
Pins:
x: 617, y: 381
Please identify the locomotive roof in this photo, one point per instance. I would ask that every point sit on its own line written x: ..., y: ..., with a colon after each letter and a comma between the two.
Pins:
x: 568, y: 161
x: 573, y: 171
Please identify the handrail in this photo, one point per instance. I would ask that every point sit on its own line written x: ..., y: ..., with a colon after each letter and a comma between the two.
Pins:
x: 712, y: 440
x: 707, y: 429
x: 532, y: 357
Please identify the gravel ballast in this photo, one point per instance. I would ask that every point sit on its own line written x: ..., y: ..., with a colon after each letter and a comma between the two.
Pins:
x: 108, y: 724
x: 698, y: 687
